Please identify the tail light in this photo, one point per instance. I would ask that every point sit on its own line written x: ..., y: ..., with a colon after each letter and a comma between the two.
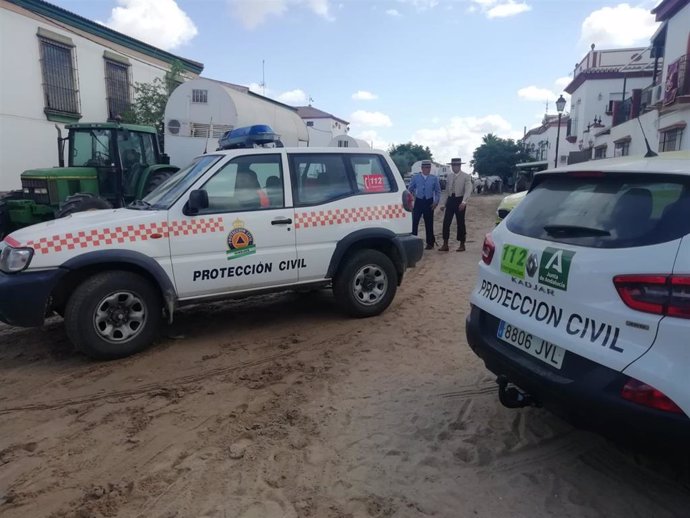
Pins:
x: 407, y: 200
x: 648, y: 396
x: 488, y: 249
x: 667, y: 295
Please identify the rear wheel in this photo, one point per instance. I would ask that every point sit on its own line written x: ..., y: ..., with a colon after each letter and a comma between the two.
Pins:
x: 156, y: 179
x: 81, y: 202
x: 113, y: 314
x: 366, y: 283
x: 5, y: 221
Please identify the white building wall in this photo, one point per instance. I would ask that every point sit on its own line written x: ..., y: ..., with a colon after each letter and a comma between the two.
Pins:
x: 27, y: 137
x: 677, y: 34
x: 677, y: 37
x: 219, y: 110
x: 550, y: 136
x: 631, y: 129
x: 225, y: 108
x: 592, y: 98
x: 324, y: 130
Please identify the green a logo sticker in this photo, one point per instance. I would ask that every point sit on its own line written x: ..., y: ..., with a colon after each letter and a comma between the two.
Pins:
x: 554, y: 267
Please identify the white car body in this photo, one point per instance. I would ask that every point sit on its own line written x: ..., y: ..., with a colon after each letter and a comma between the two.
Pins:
x: 351, y: 200
x: 563, y: 289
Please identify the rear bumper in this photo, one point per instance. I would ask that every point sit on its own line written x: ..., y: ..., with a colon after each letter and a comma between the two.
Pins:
x: 586, y: 394
x: 24, y: 296
x: 411, y: 247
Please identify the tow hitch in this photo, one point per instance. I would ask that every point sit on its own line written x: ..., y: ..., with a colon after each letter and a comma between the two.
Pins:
x: 513, y: 397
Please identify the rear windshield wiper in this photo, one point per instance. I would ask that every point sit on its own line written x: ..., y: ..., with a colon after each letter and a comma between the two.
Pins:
x: 140, y: 205
x: 574, y: 230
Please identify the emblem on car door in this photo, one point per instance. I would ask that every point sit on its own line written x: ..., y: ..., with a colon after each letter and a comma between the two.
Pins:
x: 240, y: 241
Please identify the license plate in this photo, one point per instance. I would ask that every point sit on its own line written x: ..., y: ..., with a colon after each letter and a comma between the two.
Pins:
x: 545, y: 351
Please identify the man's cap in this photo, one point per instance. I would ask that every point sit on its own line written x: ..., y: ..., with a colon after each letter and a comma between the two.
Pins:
x: 426, y: 163
x: 456, y: 161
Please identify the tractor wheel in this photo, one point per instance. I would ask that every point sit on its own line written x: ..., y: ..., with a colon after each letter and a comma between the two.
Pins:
x: 156, y: 179
x: 81, y: 202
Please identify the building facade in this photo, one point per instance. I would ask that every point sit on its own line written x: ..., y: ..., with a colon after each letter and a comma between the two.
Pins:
x: 322, y: 126
x: 70, y: 69
x: 652, y: 115
x: 201, y: 110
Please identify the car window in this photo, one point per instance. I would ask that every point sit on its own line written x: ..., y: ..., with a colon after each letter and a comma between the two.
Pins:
x: 246, y: 183
x: 319, y: 178
x: 607, y: 211
x: 370, y: 174
x: 170, y: 191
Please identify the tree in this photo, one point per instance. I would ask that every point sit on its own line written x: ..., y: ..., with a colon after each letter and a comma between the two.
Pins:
x: 150, y: 99
x: 404, y: 155
x: 498, y: 157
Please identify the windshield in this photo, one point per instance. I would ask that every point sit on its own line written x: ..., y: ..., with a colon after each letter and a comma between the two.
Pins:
x: 90, y: 148
x: 607, y: 211
x: 169, y: 191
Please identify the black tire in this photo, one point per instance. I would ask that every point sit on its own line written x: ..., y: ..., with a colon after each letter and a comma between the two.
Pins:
x: 366, y: 283
x: 81, y: 202
x: 113, y: 314
x: 156, y: 179
x: 5, y: 221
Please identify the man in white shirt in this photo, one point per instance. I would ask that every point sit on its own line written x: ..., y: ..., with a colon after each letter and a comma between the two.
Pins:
x: 454, y: 202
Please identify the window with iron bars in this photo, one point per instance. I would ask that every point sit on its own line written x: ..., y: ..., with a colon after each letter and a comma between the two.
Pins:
x: 61, y: 95
x: 622, y: 148
x: 200, y: 96
x: 117, y: 88
x: 670, y: 140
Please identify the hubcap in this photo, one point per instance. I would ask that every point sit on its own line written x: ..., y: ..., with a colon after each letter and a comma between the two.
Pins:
x: 370, y: 284
x: 119, y: 317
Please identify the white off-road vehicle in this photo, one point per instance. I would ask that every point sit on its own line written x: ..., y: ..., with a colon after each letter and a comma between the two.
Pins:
x: 232, y: 223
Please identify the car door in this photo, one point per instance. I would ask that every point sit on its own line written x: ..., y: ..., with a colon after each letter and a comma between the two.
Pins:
x: 244, y: 239
x: 335, y: 195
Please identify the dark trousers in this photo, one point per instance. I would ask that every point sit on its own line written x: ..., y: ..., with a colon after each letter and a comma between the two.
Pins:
x: 453, y: 210
x: 422, y: 207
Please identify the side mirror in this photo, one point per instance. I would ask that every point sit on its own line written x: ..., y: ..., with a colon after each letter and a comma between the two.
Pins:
x: 165, y: 159
x: 198, y: 200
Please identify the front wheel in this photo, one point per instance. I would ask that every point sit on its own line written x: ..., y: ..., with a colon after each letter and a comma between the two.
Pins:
x: 366, y: 283
x: 113, y: 314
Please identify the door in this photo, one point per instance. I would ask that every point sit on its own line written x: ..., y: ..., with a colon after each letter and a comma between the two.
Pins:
x: 244, y: 240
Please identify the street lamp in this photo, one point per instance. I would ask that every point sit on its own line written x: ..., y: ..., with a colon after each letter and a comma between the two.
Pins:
x: 560, y: 105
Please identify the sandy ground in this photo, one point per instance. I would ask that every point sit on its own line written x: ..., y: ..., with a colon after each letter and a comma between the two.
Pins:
x: 279, y: 406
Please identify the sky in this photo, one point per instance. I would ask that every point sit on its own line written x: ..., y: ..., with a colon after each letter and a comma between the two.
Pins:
x: 440, y: 73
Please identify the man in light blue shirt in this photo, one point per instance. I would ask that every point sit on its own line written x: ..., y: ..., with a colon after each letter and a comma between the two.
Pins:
x: 427, y: 192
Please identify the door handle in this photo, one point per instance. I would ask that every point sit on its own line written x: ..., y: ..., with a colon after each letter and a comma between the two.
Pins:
x: 282, y: 221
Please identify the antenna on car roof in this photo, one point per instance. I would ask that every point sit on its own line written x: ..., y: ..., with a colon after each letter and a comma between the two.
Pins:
x: 208, y: 135
x: 649, y: 152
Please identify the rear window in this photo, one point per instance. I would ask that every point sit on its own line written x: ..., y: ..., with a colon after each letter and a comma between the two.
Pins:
x: 609, y: 211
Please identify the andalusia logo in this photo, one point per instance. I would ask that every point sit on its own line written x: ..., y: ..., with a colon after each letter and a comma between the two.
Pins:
x: 240, y: 241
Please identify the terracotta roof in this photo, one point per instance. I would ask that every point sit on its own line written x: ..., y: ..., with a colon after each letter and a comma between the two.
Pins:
x: 309, y: 112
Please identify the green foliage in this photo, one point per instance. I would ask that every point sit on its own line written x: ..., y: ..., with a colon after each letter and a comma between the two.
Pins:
x: 150, y: 99
x: 497, y: 157
x: 404, y: 155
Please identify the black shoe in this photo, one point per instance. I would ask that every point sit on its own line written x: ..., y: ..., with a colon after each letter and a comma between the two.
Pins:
x: 429, y: 247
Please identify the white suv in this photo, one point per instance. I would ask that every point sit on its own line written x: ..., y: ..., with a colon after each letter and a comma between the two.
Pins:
x: 232, y: 223
x: 583, y: 298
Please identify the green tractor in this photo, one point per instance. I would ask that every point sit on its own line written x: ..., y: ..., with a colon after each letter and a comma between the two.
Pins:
x: 109, y: 165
